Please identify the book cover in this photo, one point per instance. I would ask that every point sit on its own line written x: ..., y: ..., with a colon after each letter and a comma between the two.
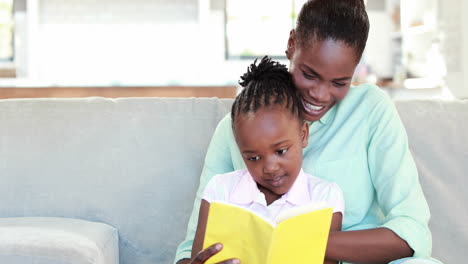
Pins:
x: 299, y: 235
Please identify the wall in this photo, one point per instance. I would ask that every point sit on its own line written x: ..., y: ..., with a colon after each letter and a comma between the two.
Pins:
x: 454, y: 25
x: 464, y: 92
x: 177, y: 43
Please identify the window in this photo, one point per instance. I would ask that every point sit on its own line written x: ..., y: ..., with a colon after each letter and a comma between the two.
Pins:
x: 6, y: 30
x: 255, y: 28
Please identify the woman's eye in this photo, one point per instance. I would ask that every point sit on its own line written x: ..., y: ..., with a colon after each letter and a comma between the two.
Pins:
x: 282, y: 151
x: 308, y: 76
x: 254, y: 158
x: 339, y: 84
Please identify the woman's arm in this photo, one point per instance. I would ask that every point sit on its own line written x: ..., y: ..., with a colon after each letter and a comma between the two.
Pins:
x: 335, y: 226
x: 377, y: 245
x: 404, y: 230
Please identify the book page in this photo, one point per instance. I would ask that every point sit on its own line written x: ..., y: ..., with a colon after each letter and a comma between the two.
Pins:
x: 244, y: 234
x: 300, y: 210
x: 302, y: 238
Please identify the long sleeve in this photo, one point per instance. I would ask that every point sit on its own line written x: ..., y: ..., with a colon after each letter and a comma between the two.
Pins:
x: 395, y: 178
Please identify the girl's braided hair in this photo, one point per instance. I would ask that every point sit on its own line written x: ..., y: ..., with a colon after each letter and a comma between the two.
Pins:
x: 267, y: 84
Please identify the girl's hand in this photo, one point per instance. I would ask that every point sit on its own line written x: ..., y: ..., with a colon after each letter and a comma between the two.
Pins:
x: 204, y: 255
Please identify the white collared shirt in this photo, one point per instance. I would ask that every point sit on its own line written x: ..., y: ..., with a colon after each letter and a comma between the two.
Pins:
x: 239, y: 188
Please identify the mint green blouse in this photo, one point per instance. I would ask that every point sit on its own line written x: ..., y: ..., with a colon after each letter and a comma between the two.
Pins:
x: 361, y: 145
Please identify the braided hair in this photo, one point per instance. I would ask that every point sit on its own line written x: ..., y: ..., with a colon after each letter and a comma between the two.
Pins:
x: 267, y: 84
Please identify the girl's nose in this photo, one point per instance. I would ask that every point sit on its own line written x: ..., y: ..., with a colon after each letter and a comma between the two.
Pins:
x: 271, y: 165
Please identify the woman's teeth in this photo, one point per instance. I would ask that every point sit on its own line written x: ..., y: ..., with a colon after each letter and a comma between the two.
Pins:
x: 314, y: 108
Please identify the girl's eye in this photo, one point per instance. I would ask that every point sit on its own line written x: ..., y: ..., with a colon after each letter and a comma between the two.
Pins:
x: 282, y: 151
x: 254, y: 158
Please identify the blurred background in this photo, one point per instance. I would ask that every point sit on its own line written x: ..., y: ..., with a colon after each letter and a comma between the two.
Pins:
x: 180, y: 48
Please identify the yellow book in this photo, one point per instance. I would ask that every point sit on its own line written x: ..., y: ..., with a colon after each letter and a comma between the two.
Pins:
x: 299, y: 235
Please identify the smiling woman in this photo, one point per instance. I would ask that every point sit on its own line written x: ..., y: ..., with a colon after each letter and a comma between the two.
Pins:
x: 328, y: 66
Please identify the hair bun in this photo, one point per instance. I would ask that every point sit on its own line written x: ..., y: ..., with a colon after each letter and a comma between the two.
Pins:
x: 259, y: 72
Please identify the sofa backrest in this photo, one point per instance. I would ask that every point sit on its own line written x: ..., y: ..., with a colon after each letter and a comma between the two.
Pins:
x: 134, y: 163
x: 438, y: 138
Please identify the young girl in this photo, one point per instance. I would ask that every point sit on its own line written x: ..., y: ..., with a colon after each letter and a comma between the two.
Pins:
x: 270, y: 132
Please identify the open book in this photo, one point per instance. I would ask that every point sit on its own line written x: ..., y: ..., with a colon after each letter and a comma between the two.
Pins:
x: 299, y: 235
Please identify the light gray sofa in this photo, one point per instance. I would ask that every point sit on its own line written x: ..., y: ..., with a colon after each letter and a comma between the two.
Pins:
x: 134, y: 163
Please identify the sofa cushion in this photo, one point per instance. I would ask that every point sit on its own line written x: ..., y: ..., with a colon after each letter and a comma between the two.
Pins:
x: 47, y: 240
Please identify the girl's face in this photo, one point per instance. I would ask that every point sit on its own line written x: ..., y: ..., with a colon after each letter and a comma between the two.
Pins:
x: 270, y: 142
x: 322, y: 74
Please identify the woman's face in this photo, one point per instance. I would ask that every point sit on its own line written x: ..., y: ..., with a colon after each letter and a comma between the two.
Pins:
x: 322, y: 74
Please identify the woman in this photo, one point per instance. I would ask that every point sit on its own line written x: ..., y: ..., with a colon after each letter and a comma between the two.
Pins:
x: 356, y: 139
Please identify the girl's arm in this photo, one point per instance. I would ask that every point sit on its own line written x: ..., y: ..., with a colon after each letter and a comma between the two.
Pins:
x: 201, y: 227
x: 335, y: 226
x: 200, y: 256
